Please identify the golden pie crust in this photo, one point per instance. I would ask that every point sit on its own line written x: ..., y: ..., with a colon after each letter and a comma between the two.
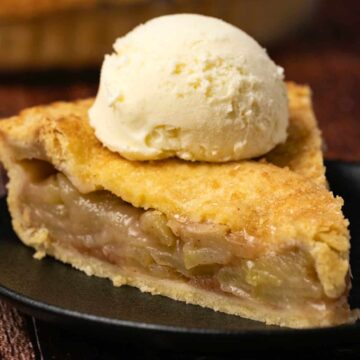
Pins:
x: 279, y: 199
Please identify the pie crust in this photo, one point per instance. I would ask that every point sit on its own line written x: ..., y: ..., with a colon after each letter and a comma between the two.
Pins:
x: 264, y: 239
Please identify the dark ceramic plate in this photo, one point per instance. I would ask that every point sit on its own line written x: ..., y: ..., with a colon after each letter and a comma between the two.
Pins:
x: 55, y: 292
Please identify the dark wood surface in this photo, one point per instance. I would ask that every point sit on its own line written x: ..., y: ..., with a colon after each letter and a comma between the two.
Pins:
x: 326, y: 56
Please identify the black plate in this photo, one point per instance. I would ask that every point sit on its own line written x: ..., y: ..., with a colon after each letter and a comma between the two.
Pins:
x: 55, y: 292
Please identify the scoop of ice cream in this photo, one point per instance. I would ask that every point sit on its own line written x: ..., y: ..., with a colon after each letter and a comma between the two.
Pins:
x: 189, y: 86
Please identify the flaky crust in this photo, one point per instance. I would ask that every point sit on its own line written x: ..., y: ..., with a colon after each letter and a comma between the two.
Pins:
x: 281, y: 202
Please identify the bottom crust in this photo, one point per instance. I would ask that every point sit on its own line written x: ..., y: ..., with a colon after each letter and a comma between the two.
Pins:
x: 178, y: 290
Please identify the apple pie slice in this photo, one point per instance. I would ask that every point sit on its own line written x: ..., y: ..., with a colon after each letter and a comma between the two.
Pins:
x: 263, y: 239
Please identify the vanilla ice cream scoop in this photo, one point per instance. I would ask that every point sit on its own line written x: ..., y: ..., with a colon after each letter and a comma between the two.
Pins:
x: 189, y: 86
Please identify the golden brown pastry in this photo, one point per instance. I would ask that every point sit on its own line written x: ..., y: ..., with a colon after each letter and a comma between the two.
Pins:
x: 264, y: 239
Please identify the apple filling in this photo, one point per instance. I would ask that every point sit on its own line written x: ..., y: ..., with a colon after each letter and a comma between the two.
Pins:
x: 209, y: 256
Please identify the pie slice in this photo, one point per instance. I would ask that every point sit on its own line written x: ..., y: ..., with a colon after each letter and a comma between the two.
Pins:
x: 264, y: 239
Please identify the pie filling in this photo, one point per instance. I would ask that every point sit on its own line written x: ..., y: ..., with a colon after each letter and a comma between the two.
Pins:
x: 205, y: 255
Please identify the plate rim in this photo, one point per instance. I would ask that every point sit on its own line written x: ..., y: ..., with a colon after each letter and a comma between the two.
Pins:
x: 42, y: 307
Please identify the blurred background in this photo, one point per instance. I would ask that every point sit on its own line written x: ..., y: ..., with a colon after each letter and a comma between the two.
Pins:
x: 76, y: 33
x: 52, y: 50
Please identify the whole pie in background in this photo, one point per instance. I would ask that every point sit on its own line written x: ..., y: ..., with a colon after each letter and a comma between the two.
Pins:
x: 42, y: 34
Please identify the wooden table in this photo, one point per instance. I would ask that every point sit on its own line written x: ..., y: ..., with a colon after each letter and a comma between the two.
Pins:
x: 326, y: 56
